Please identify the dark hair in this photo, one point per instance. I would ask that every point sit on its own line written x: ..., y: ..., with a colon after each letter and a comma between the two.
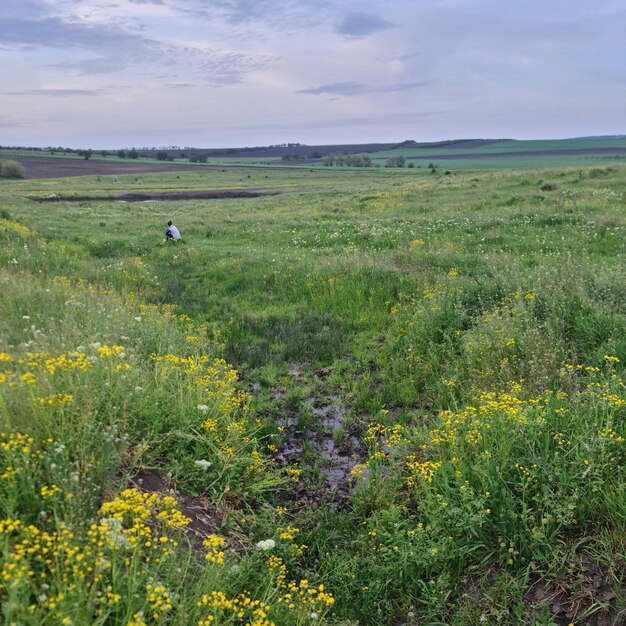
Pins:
x: 169, y: 223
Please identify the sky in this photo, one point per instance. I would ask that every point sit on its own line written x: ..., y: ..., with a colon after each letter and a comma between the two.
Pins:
x: 224, y: 73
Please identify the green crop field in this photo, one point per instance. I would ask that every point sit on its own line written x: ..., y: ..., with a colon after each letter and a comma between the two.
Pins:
x: 370, y: 397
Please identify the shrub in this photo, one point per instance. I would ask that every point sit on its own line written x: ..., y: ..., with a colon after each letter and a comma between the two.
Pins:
x: 397, y: 161
x: 12, y: 169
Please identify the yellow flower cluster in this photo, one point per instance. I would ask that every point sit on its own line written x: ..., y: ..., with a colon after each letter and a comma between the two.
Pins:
x: 380, y: 439
x: 239, y: 610
x: 109, y: 351
x: 40, y: 554
x: 136, y: 620
x: 214, y: 545
x: 39, y: 365
x: 55, y: 399
x: 358, y: 470
x: 424, y: 470
x: 293, y: 473
x: 49, y: 491
x: 139, y: 506
x: 217, y: 379
x: 288, y: 532
x: 276, y: 566
x: 611, y: 359
x: 471, y: 424
x: 159, y: 600
x: 162, y: 312
x: 604, y: 392
x: 608, y: 433
x: 9, y: 226
x: 256, y: 462
x: 135, y: 533
x: 300, y: 595
x: 17, y: 451
x: 21, y: 441
x: 303, y: 595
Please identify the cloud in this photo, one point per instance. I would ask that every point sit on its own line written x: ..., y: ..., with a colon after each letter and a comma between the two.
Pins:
x: 14, y: 124
x: 54, y: 92
x: 217, y: 66
x: 389, y: 119
x: 53, y: 32
x: 257, y: 15
x: 362, y: 25
x: 356, y: 89
x: 109, y: 48
x: 25, y: 8
x: 180, y: 85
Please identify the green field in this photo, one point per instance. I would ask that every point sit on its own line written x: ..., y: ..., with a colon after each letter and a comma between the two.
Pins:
x: 511, y: 154
x: 376, y: 398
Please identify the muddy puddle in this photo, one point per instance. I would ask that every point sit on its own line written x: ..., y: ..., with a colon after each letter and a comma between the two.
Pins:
x: 323, y: 433
x: 210, y: 194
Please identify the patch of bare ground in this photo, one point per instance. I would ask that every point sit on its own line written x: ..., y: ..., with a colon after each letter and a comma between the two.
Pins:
x: 336, y: 446
x: 57, y: 167
x: 206, y: 519
x: 592, y: 594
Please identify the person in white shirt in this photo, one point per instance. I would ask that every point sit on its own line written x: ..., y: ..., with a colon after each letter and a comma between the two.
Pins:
x: 172, y: 232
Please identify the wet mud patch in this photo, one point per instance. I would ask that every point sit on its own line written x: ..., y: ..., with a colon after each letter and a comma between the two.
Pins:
x: 206, y: 519
x: 324, y: 437
x: 196, y: 194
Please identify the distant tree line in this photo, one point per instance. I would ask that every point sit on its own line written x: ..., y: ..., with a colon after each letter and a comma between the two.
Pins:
x: 131, y: 153
x: 300, y: 157
x: 348, y: 160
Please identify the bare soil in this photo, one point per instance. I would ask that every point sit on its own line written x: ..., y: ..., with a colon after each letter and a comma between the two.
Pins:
x: 206, y: 519
x: 196, y: 194
x: 338, y: 453
x: 588, y: 595
x: 56, y: 167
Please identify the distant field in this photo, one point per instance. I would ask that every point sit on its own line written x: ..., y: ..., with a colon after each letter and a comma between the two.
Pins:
x: 458, y: 155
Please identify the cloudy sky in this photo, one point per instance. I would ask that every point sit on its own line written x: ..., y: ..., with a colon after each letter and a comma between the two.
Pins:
x: 216, y: 73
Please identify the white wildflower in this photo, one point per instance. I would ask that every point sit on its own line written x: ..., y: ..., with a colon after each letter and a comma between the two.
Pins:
x: 203, y: 408
x: 203, y: 464
x: 266, y: 544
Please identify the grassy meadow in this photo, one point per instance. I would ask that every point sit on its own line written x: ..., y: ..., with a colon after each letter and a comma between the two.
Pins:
x: 374, y: 398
